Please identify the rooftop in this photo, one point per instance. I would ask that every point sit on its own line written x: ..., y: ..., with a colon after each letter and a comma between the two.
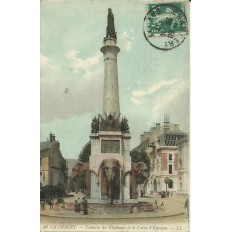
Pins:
x: 45, y: 145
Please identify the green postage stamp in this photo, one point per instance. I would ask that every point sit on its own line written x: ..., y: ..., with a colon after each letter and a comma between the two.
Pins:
x: 167, y: 23
x: 114, y: 141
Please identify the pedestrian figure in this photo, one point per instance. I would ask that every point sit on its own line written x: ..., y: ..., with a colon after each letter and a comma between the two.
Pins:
x: 85, y: 205
x: 186, y: 205
x: 155, y: 205
x: 56, y: 205
x: 42, y: 205
x: 76, y: 206
x: 50, y: 203
x: 162, y: 206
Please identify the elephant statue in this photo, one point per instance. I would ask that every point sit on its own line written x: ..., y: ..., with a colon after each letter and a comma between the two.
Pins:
x: 137, y: 169
x: 81, y: 170
x: 110, y: 179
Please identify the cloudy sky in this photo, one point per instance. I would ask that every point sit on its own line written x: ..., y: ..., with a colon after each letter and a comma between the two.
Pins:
x: 151, y: 81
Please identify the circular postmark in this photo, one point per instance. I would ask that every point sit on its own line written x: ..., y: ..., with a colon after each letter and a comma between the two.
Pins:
x: 165, y: 26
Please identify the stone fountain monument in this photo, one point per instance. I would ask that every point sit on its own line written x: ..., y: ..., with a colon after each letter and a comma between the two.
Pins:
x: 110, y: 161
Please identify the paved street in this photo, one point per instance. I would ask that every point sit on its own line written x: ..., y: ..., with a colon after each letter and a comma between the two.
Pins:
x: 149, y: 219
x: 173, y: 219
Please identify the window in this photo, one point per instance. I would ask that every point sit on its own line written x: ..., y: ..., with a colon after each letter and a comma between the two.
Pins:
x: 170, y: 156
x: 170, y: 169
x: 40, y: 162
x: 170, y: 184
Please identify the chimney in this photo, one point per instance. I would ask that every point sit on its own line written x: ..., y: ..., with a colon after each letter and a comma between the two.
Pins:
x: 176, y: 127
x: 53, y: 138
x: 166, y: 122
x: 157, y: 126
x: 50, y: 136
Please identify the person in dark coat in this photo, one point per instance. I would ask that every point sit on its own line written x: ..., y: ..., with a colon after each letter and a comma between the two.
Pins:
x: 85, y: 206
x: 76, y: 206
x: 50, y: 204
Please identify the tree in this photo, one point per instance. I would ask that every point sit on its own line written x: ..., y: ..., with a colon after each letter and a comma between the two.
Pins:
x: 85, y: 153
x: 84, y: 158
x: 166, y: 181
x: 80, y: 183
x: 141, y: 156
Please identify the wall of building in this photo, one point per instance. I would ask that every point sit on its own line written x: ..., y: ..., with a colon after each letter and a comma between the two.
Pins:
x: 159, y: 143
x: 52, y: 166
x: 183, y: 167
x: 160, y: 170
x: 44, y: 169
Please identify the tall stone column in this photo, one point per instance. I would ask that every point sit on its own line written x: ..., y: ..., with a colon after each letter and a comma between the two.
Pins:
x: 111, y: 92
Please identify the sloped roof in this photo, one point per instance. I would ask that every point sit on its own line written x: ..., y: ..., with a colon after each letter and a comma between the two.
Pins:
x: 175, y: 132
x: 172, y: 139
x: 45, y: 145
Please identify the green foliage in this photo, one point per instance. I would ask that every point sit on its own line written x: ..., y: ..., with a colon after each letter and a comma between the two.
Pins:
x: 80, y: 183
x: 141, y: 156
x: 85, y: 153
x: 166, y: 180
x: 140, y: 179
x: 54, y: 190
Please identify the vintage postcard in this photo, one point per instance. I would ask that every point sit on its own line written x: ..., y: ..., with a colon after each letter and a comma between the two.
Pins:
x: 114, y: 144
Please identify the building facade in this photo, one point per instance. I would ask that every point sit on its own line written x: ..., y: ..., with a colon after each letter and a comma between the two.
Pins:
x: 163, y: 144
x: 52, y: 163
x: 183, y: 166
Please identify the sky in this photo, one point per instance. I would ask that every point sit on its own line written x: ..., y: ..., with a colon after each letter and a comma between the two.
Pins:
x: 151, y: 81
